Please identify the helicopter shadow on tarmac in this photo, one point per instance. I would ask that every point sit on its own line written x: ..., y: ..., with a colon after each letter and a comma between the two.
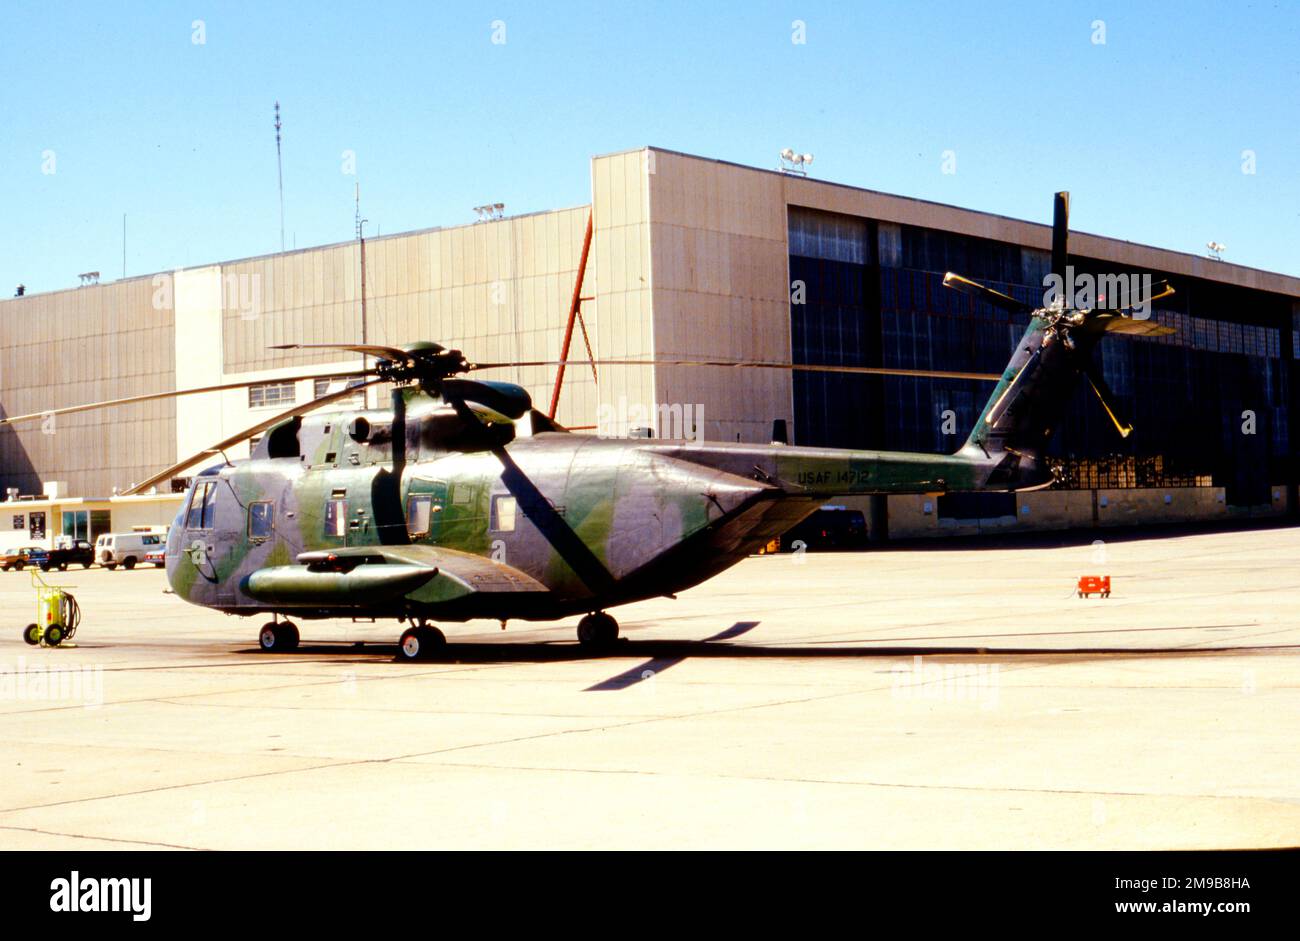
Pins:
x: 661, y: 655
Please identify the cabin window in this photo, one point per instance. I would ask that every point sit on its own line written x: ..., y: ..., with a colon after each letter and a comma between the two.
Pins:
x: 336, y: 517
x: 260, y: 517
x: 504, y: 510
x: 419, y: 510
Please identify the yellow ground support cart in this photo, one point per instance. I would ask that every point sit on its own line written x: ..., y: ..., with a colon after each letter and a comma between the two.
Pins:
x: 57, y: 615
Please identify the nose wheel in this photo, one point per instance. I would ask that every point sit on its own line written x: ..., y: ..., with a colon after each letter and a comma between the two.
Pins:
x: 421, y: 643
x: 597, y: 631
x: 278, y: 637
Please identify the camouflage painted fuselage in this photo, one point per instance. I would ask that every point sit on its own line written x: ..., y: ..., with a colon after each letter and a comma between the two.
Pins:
x: 571, y: 523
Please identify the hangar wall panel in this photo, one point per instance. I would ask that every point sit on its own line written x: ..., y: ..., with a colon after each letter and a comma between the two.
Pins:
x: 498, y: 291
x: 84, y: 345
x: 622, y: 315
x: 721, y: 290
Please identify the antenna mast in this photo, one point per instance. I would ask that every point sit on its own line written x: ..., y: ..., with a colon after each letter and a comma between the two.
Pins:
x: 279, y: 171
x: 361, y: 240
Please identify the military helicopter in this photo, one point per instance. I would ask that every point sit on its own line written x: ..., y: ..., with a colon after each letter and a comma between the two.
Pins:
x: 462, y: 501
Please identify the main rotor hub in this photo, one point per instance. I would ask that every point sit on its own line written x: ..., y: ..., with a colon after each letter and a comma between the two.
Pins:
x: 427, y: 364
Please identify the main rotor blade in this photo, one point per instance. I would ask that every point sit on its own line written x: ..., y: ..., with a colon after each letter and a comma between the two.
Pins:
x: 1107, y: 399
x: 800, y: 367
x: 1159, y: 291
x: 1060, y: 233
x: 244, y: 435
x: 176, y: 393
x: 365, y: 349
x: 974, y: 289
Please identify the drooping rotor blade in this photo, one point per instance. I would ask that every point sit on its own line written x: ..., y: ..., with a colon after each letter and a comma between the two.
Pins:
x: 1060, y: 233
x: 798, y: 367
x: 244, y: 435
x: 1107, y: 399
x: 499, y: 402
x: 176, y: 393
x: 974, y: 289
x: 1121, y: 323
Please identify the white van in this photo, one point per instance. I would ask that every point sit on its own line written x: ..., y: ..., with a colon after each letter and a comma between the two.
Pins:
x: 125, y: 549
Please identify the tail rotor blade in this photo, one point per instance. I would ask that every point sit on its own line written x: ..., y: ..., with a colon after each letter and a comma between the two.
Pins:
x: 974, y: 289
x: 1107, y: 399
x: 1060, y: 233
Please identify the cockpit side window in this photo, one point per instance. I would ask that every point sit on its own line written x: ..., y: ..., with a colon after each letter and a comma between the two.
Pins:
x: 202, y: 505
x: 210, y: 506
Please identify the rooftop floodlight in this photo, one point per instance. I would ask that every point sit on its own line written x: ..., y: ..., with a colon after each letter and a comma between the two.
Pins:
x: 794, y: 163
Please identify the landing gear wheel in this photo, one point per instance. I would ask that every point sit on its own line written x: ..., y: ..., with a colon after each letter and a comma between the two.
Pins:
x: 278, y: 638
x: 420, y: 643
x: 32, y: 634
x: 54, y: 635
x: 597, y: 631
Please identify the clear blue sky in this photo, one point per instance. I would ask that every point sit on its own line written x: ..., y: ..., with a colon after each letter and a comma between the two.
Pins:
x: 1147, y: 130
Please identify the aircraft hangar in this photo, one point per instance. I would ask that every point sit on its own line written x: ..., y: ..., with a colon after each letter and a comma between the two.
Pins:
x: 685, y: 258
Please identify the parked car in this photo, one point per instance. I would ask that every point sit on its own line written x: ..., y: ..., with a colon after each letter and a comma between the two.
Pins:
x: 60, y: 557
x: 831, y: 527
x: 156, y: 557
x: 21, y: 558
x: 125, y: 549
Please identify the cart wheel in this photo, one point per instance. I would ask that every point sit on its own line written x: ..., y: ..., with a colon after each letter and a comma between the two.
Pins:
x: 54, y: 635
x: 32, y: 634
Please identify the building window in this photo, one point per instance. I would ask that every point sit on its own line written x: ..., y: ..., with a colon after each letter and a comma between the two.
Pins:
x: 260, y: 516
x: 323, y: 387
x: 271, y: 394
x: 76, y: 524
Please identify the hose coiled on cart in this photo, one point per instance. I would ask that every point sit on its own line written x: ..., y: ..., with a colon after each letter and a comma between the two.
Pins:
x: 71, y: 612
